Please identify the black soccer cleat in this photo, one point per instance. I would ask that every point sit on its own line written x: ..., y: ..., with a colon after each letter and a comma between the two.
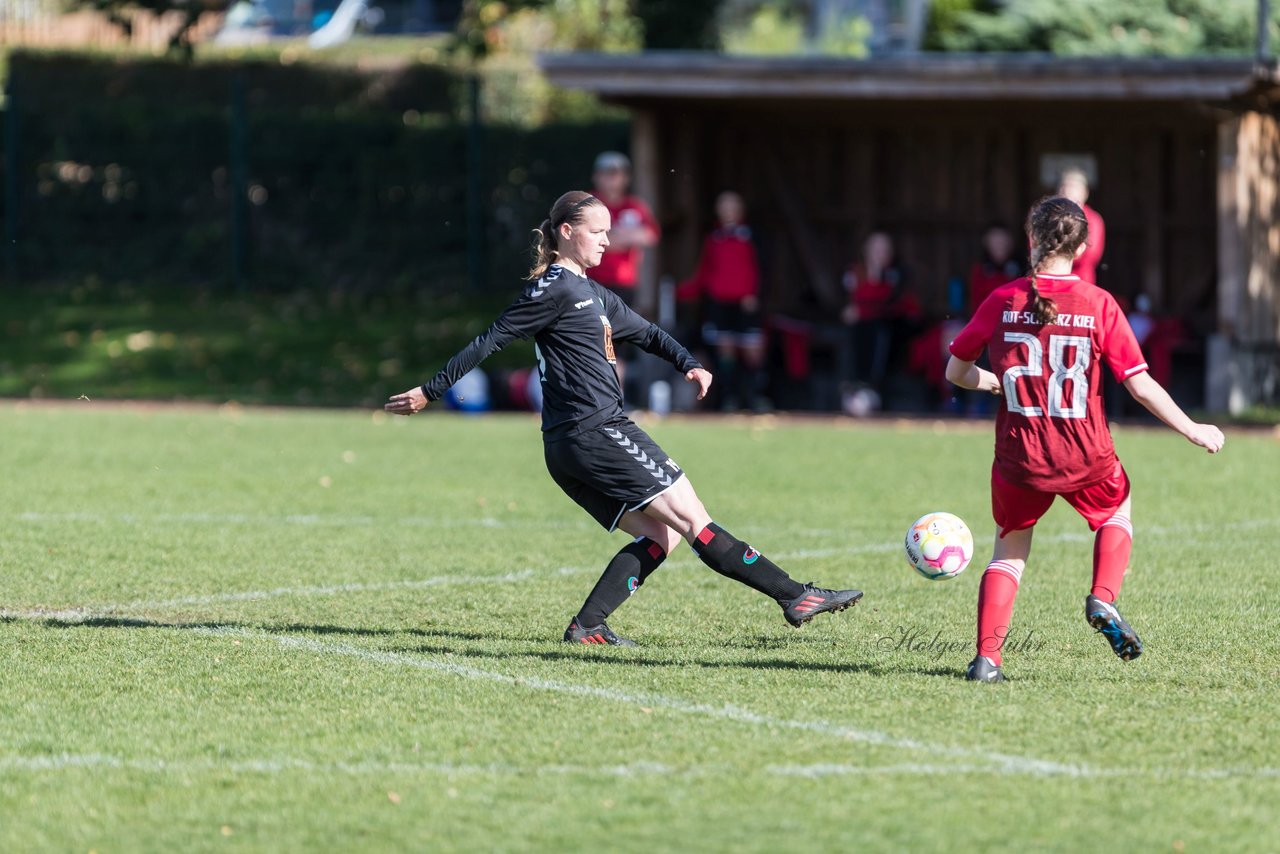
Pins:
x: 817, y: 600
x: 983, y: 669
x: 600, y: 634
x: 1104, y: 617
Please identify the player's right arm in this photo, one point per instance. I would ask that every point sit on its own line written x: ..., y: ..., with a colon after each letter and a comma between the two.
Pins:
x: 968, y: 375
x: 968, y: 346
x: 1152, y: 395
x: 533, y: 311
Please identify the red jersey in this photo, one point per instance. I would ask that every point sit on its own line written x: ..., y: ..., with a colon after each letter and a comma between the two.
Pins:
x: 1086, y: 266
x: 884, y: 298
x: 1051, y: 432
x: 621, y: 268
x: 985, y: 277
x: 728, y: 270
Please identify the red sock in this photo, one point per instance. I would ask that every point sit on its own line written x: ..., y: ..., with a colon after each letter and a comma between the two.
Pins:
x: 995, y: 606
x: 1111, y: 549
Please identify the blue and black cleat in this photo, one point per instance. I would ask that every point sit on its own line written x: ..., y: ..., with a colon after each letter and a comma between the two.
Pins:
x: 1104, y: 617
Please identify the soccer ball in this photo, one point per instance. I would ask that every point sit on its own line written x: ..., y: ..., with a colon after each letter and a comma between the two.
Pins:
x: 939, y: 545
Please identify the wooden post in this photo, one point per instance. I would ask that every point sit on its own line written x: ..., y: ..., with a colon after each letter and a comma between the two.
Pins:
x: 1219, y: 368
x: 1262, y: 230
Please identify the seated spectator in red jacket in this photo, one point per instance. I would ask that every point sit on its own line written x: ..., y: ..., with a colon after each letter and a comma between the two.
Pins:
x: 998, y: 266
x: 727, y: 281
x: 881, y: 312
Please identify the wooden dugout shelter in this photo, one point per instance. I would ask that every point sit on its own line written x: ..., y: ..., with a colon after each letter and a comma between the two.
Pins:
x: 1184, y: 156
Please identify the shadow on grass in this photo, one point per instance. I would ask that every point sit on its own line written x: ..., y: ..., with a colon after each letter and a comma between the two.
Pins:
x: 592, y: 655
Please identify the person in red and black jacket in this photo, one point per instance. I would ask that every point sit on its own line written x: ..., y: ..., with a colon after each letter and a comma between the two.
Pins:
x: 728, y: 281
x: 635, y: 228
x: 998, y: 266
x: 882, y: 310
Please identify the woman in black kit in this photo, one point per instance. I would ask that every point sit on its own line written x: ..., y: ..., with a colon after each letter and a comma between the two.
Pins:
x: 597, y: 455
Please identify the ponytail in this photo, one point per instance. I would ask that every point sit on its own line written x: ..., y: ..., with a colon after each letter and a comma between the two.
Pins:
x: 546, y: 246
x: 1056, y: 227
x: 1043, y: 309
x: 544, y: 250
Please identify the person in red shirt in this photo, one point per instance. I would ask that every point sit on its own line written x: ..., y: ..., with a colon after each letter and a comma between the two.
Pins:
x: 634, y: 230
x: 728, y: 282
x: 1074, y: 185
x: 634, y: 227
x: 998, y: 265
x: 1048, y: 335
x: 882, y: 312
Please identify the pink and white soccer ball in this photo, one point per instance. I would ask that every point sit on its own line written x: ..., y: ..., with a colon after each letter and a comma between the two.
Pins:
x: 939, y: 545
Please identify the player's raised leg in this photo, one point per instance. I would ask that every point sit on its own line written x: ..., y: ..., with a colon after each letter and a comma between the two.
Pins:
x: 624, y: 575
x: 680, y: 509
x: 1112, y: 546
x: 996, y: 593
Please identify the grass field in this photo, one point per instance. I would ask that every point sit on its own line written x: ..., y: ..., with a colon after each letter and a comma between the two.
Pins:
x: 242, y: 630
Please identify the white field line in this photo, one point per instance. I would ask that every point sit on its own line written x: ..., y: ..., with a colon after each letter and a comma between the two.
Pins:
x: 81, y: 614
x: 302, y: 519
x: 986, y: 761
x: 982, y: 761
x: 280, y: 765
x: 35, y: 764
x: 992, y: 760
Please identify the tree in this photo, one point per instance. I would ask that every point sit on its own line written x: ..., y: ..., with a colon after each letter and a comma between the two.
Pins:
x: 781, y: 27
x: 489, y: 27
x: 1097, y: 27
x: 118, y: 12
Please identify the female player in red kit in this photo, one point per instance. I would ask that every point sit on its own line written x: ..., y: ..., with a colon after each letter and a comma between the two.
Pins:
x: 1046, y: 334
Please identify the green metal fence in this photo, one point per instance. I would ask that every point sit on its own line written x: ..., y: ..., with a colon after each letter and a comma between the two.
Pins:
x: 259, y: 176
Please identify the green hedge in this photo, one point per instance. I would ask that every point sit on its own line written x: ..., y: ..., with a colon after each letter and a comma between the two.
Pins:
x: 124, y: 171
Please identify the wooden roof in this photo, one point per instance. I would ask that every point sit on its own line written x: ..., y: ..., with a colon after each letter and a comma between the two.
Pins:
x: 669, y: 75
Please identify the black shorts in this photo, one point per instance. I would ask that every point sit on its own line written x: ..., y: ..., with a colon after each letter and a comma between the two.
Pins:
x: 730, y: 323
x: 612, y: 469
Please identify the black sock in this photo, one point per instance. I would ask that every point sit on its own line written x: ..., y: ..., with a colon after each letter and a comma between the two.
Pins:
x: 624, y: 574
x: 732, y: 558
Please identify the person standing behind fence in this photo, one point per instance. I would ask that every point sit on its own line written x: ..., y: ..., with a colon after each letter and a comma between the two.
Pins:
x: 1074, y: 185
x: 728, y: 280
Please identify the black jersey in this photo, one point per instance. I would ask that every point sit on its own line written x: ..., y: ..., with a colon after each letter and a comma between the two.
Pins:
x: 574, y: 323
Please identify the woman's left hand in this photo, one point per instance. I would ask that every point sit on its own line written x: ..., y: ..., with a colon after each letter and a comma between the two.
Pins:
x: 407, y: 403
x: 702, y: 377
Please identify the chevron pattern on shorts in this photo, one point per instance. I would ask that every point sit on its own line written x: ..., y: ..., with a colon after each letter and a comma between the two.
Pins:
x: 637, y: 453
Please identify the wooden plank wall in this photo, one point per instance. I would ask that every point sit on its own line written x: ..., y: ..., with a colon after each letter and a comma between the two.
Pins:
x: 1258, y: 162
x: 933, y: 175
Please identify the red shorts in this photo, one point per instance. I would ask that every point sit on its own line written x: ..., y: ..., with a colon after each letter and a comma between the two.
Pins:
x: 1016, y: 508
